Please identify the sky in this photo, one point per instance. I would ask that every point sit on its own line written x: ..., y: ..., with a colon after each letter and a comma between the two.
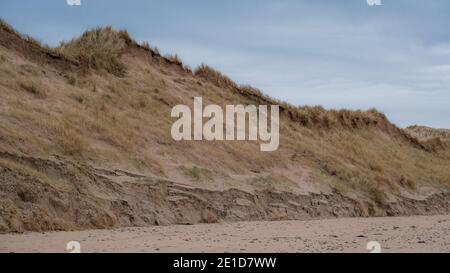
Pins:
x: 338, y: 54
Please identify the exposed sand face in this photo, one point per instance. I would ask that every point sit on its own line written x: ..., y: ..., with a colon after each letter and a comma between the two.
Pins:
x: 399, y: 234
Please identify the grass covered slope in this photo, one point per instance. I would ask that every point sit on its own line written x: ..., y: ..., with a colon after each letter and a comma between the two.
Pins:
x: 85, y: 143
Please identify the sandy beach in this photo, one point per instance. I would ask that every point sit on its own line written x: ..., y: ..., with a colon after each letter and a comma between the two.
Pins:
x: 399, y: 234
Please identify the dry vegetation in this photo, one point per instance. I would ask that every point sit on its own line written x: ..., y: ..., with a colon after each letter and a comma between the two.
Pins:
x: 116, y: 115
x: 34, y: 88
x: 425, y: 133
x: 8, y: 28
x: 100, y: 48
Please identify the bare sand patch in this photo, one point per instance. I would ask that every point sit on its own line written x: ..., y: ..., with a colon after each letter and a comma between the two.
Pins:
x: 396, y: 234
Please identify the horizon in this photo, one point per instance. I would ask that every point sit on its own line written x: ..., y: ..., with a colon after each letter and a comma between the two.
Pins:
x: 378, y: 58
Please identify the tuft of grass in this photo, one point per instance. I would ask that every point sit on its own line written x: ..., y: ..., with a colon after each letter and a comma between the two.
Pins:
x: 208, y: 73
x: 196, y: 173
x: 174, y: 59
x: 250, y: 91
x: 70, y: 143
x: 100, y: 48
x: 26, y: 196
x: 35, y: 88
x: 148, y: 47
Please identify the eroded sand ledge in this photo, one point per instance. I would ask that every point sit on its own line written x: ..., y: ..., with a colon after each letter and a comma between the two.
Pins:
x: 97, y: 198
x: 396, y: 234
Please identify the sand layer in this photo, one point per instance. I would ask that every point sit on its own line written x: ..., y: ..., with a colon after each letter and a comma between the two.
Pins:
x: 396, y: 234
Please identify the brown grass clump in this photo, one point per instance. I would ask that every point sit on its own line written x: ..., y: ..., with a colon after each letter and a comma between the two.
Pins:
x: 153, y: 49
x: 196, y: 173
x: 208, y: 73
x: 70, y: 142
x: 220, y: 80
x: 100, y: 48
x: 174, y: 59
x: 35, y: 88
x: 254, y: 93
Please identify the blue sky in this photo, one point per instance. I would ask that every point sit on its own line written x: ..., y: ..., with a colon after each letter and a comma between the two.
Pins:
x: 339, y: 54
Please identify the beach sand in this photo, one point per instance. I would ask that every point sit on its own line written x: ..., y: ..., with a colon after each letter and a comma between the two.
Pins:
x: 397, y: 234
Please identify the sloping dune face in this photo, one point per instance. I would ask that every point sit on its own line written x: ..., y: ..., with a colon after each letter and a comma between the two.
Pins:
x: 85, y: 142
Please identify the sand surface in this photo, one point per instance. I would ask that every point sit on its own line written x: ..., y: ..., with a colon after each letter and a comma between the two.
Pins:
x: 399, y: 234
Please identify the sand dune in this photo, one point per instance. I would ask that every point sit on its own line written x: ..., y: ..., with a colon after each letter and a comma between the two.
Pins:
x: 85, y: 143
